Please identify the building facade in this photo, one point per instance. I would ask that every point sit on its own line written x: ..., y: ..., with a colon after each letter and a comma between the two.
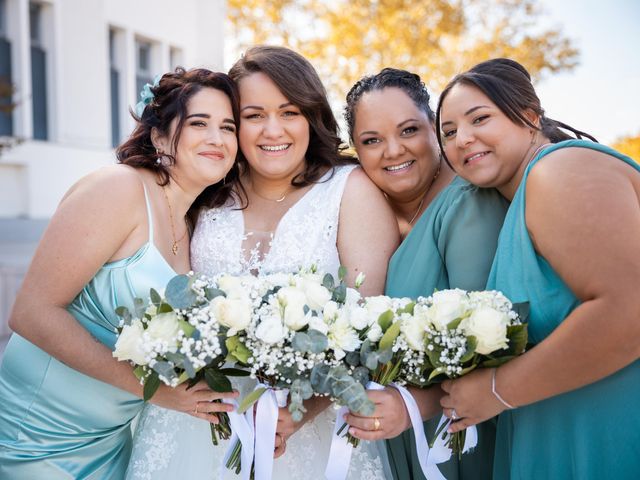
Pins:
x: 76, y: 67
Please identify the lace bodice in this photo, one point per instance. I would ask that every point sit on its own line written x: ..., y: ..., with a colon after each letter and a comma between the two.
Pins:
x: 306, y: 235
x: 170, y: 444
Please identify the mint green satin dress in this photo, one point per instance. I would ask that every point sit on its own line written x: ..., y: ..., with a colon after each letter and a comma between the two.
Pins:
x: 57, y: 423
x: 592, y: 433
x: 451, y: 246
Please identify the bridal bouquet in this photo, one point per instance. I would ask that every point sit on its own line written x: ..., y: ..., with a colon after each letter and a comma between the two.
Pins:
x: 453, y: 332
x: 293, y: 345
x: 177, y: 338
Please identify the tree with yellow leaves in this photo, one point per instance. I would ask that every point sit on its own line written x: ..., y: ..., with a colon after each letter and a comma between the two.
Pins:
x: 629, y: 146
x: 346, y: 39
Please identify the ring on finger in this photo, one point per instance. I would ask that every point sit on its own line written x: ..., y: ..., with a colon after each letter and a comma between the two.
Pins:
x: 454, y: 415
x: 376, y: 424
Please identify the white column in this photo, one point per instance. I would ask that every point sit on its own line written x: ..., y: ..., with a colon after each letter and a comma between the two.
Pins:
x: 18, y: 30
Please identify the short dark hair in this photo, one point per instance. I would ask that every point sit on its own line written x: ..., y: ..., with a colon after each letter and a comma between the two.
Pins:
x: 299, y: 82
x: 508, y: 85
x: 409, y: 83
x: 170, y: 98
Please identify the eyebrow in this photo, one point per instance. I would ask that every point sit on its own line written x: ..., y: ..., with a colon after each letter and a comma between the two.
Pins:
x: 257, y: 107
x: 373, y: 132
x: 468, y: 112
x: 207, y: 116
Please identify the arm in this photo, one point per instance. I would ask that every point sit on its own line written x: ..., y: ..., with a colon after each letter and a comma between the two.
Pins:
x: 593, y: 252
x: 75, y: 245
x: 367, y: 233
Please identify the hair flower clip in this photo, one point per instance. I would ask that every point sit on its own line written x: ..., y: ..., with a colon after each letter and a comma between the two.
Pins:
x: 146, y: 95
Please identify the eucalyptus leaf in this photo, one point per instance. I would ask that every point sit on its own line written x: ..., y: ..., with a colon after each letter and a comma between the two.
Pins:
x: 328, y: 282
x: 179, y: 293
x: 164, y: 369
x: 211, y: 293
x: 139, y: 306
x: 384, y: 356
x: 155, y: 297
x: 189, y: 368
x: 218, y: 382
x: 124, y: 313
x: 339, y: 294
x: 319, y: 341
x: 251, y: 399
x: 234, y: 372
x: 175, y: 358
x: 371, y: 360
x: 320, y: 379
x: 302, y: 388
x: 352, y: 358
x: 361, y: 375
x: 301, y: 342
x: 151, y: 385
x: 342, y: 272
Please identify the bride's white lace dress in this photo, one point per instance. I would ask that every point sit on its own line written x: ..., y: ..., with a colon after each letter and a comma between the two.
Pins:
x: 172, y: 445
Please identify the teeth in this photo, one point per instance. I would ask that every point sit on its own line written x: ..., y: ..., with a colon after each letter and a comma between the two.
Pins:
x: 274, y: 148
x: 477, y: 155
x: 399, y: 167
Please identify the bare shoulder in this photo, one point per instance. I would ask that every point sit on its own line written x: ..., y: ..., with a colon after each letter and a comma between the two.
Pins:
x: 360, y: 189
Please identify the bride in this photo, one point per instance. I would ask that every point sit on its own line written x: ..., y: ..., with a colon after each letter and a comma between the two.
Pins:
x: 298, y: 203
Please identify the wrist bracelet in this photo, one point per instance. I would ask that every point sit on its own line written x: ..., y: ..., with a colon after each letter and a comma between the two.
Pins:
x: 496, y: 394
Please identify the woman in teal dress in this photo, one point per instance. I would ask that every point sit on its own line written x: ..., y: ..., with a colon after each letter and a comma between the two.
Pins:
x: 449, y: 229
x: 569, y: 247
x: 67, y: 404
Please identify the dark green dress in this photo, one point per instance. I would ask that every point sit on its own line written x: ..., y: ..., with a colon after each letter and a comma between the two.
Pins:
x: 451, y: 246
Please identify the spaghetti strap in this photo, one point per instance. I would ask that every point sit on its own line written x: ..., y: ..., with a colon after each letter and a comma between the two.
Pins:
x: 149, y: 215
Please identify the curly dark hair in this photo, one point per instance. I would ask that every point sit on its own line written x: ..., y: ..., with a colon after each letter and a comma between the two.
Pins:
x: 508, y: 85
x: 170, y: 98
x: 409, y: 83
x: 299, y: 82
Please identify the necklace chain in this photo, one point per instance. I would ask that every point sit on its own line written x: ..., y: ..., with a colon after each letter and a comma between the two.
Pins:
x: 426, y: 191
x: 277, y: 200
x: 174, y: 247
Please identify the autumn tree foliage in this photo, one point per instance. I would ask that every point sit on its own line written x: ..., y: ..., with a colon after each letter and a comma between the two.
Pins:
x: 346, y: 39
x: 630, y: 146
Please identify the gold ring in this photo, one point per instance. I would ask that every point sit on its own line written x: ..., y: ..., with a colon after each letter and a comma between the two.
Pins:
x: 376, y: 424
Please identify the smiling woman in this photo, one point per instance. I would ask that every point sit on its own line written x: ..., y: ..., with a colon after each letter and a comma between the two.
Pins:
x: 450, y: 231
x: 299, y: 203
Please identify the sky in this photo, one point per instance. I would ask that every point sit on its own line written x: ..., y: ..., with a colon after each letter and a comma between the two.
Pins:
x: 602, y: 95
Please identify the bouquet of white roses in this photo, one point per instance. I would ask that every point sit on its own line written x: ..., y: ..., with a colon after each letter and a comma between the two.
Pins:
x: 454, y: 332
x: 294, y: 345
x: 177, y: 338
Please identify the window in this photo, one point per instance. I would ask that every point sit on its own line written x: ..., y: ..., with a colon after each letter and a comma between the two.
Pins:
x: 175, y: 58
x: 6, y: 87
x: 114, y: 80
x: 143, y: 64
x: 38, y: 73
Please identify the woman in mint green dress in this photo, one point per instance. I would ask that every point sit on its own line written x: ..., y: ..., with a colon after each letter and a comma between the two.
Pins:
x: 67, y: 404
x: 569, y: 246
x: 450, y: 230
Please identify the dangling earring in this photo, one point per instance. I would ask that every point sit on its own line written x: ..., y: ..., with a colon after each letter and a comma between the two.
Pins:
x: 224, y: 180
x: 160, y: 158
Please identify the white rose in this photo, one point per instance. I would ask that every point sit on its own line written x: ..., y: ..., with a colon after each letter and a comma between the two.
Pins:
x: 414, y: 328
x: 489, y: 326
x: 164, y: 327
x: 271, y: 330
x: 317, y: 295
x: 330, y: 310
x: 234, y: 313
x: 353, y: 297
x: 293, y: 301
x: 233, y: 287
x: 358, y: 317
x: 376, y: 306
x: 447, y: 306
x: 129, y: 343
x: 375, y: 332
x: 318, y: 323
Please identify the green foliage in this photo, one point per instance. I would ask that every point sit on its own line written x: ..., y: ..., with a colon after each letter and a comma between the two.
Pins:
x: 217, y: 381
x: 151, y: 385
x: 179, y: 293
x: 250, y: 399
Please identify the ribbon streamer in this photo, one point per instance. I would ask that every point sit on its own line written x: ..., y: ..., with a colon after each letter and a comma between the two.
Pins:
x: 265, y: 430
x: 241, y: 431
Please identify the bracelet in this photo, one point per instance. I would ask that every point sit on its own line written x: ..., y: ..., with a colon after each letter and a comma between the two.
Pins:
x: 496, y: 394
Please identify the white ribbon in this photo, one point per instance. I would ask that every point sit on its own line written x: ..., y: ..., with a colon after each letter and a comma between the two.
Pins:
x: 265, y: 430
x: 440, y: 453
x: 241, y: 431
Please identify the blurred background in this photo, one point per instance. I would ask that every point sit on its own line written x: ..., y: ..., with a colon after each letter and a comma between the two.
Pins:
x: 71, y: 69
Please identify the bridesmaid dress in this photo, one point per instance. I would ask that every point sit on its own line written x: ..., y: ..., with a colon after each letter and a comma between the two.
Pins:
x: 590, y: 433
x: 57, y: 423
x: 451, y: 246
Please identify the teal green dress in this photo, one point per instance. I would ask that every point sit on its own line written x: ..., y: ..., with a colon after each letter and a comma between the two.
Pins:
x: 451, y: 246
x: 57, y: 423
x: 592, y: 433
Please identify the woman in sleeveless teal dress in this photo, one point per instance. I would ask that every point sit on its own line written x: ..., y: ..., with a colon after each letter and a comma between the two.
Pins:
x: 568, y: 247
x: 451, y: 245
x: 67, y: 404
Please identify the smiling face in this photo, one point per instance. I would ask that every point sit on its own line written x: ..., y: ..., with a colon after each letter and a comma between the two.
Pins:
x: 274, y: 134
x: 483, y: 145
x: 208, y: 144
x: 396, y: 142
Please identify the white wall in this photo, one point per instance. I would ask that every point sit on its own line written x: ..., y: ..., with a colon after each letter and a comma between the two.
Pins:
x: 34, y: 175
